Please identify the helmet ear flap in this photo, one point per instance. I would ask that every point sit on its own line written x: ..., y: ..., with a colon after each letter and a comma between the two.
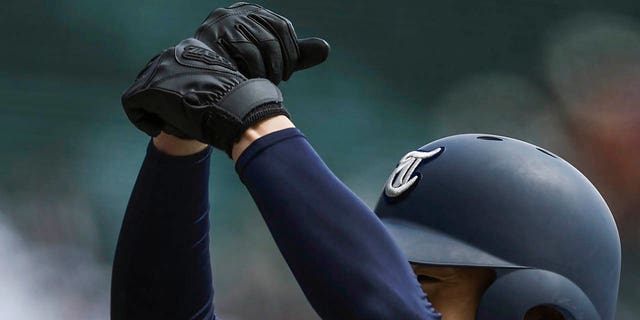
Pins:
x: 524, y: 289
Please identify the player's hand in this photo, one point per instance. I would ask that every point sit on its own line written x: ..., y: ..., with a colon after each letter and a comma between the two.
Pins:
x: 262, y: 43
x: 190, y: 91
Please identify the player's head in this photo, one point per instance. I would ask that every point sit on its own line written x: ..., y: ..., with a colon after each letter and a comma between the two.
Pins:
x: 525, y: 225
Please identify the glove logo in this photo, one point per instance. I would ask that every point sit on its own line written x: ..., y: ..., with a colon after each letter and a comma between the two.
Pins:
x: 402, y: 178
x: 204, y: 55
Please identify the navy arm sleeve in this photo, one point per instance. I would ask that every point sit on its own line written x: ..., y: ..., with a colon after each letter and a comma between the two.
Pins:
x: 161, y: 268
x: 340, y: 253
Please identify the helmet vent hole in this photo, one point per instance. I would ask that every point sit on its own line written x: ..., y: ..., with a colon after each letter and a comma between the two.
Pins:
x: 490, y: 138
x: 546, y: 152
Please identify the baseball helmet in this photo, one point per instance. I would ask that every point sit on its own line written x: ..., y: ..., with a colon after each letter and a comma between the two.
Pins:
x: 478, y: 200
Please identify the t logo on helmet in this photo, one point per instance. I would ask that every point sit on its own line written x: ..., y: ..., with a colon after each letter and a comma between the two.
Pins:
x: 402, y: 177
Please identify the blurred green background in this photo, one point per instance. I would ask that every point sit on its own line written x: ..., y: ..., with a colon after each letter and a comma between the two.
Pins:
x: 560, y: 74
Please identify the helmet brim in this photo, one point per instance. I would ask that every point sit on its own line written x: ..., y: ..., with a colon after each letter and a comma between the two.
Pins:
x: 423, y: 245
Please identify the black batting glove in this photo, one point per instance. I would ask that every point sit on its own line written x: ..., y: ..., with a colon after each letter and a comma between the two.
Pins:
x: 262, y: 43
x: 191, y: 91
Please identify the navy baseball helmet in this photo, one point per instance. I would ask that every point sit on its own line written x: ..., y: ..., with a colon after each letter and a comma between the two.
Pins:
x: 479, y: 200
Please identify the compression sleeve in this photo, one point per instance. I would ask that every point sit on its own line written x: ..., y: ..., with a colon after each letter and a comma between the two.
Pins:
x: 340, y: 253
x: 161, y: 268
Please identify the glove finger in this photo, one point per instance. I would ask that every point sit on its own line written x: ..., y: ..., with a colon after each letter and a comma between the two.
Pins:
x: 220, y: 13
x: 248, y: 58
x: 281, y: 28
x: 208, y: 33
x: 243, y: 4
x: 272, y: 55
x: 269, y: 48
x: 313, y: 51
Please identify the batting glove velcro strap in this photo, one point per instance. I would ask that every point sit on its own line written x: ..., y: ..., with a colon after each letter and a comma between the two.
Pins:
x: 245, y: 105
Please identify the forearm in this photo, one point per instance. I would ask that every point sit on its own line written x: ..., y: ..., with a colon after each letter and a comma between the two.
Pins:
x: 339, y: 252
x: 161, y: 268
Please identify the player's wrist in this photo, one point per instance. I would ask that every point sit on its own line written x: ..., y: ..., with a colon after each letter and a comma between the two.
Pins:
x: 259, y: 130
x: 174, y: 146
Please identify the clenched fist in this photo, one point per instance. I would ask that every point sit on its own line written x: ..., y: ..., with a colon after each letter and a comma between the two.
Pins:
x: 262, y: 43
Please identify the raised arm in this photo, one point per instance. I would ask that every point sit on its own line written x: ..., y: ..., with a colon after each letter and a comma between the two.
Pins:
x: 338, y: 250
x: 161, y: 268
